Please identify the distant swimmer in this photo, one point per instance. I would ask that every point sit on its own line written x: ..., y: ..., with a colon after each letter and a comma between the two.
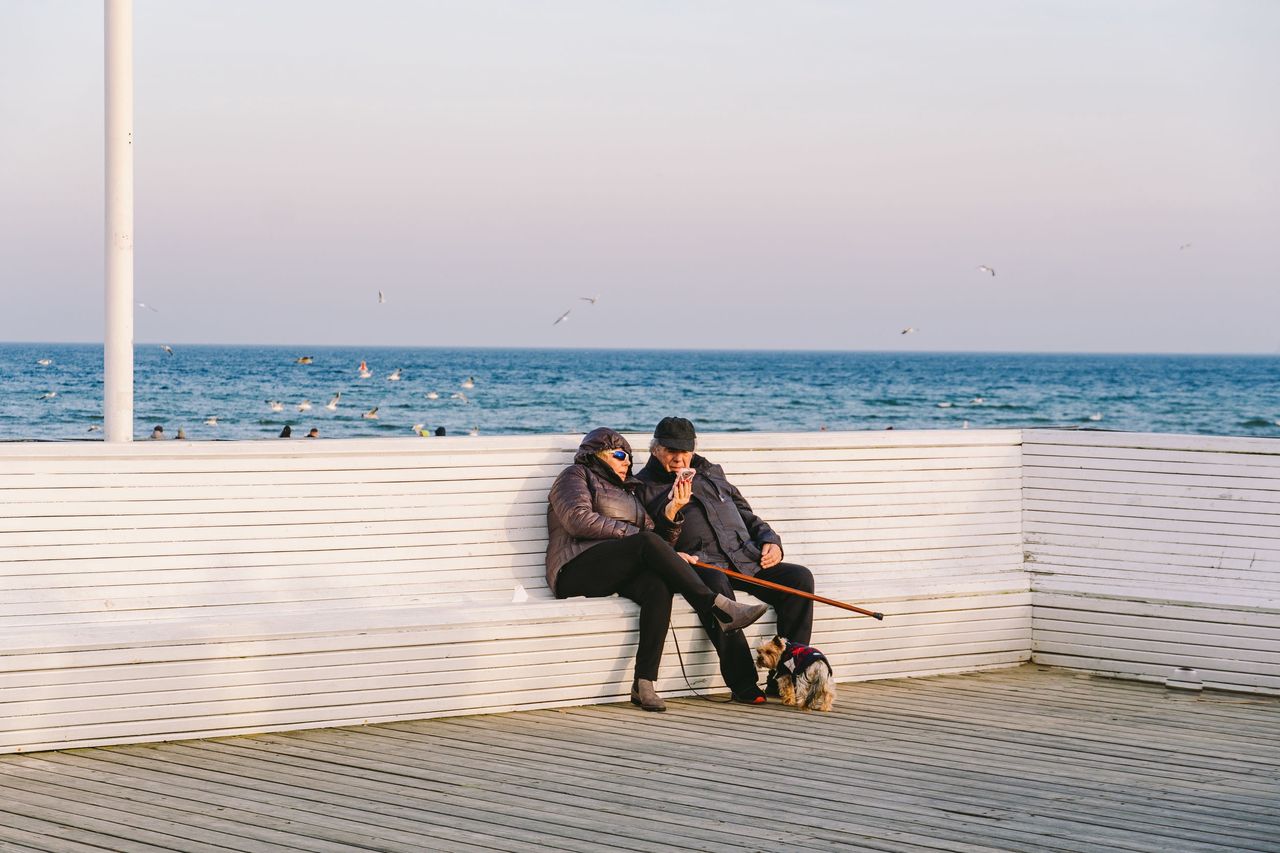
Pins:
x: 592, y: 299
x: 1096, y: 416
x: 304, y: 359
x: 562, y: 317
x: 394, y: 376
x: 332, y: 405
x: 314, y: 433
x: 304, y: 406
x: 365, y: 372
x: 458, y: 395
x: 986, y: 269
x: 470, y: 383
x: 276, y: 405
x: 158, y: 432
x: 44, y: 362
x: 212, y: 420
x: 148, y: 307
x: 908, y: 330
x: 287, y: 432
x: 382, y: 300
x: 371, y: 415
x: 168, y: 350
x: 432, y: 395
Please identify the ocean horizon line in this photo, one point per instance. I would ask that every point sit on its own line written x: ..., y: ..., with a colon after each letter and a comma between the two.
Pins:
x: 763, y: 350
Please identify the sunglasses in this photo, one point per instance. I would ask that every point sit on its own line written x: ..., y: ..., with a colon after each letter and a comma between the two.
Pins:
x: 620, y: 455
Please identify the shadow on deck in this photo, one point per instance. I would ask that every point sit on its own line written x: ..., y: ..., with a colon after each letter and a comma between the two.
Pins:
x: 1024, y: 759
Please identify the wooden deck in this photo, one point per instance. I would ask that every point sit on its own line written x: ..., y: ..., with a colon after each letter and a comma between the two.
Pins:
x: 1024, y: 759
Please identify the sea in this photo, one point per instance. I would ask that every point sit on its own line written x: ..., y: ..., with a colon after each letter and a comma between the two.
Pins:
x: 54, y: 391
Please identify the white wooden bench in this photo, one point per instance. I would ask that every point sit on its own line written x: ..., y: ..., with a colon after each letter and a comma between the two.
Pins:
x: 1153, y: 552
x: 165, y: 590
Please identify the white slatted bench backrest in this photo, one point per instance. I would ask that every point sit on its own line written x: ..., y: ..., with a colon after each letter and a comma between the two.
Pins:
x: 95, y: 533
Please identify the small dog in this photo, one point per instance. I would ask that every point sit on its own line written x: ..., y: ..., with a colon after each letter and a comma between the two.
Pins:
x: 804, y: 673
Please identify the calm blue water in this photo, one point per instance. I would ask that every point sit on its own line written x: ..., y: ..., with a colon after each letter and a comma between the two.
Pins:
x: 569, y: 391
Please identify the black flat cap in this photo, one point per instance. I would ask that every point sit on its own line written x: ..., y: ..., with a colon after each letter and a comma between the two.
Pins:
x: 675, y: 434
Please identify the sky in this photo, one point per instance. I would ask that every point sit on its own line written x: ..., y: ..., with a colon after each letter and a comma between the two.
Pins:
x: 801, y: 175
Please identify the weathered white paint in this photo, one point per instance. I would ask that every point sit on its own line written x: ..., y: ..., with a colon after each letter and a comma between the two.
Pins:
x: 1150, y: 552
x: 169, y: 589
x: 118, y: 339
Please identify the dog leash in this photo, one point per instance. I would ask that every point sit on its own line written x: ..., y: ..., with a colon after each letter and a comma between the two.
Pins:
x: 680, y: 657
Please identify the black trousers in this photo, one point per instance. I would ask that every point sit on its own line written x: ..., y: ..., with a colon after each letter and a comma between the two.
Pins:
x: 795, y: 619
x: 646, y: 570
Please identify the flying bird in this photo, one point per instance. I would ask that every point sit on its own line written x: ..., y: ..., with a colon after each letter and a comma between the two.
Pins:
x: 592, y: 299
x: 276, y: 405
x: 44, y: 362
x: 1184, y: 246
x: 986, y: 269
x: 304, y: 359
x: 168, y: 350
x: 458, y: 395
x: 908, y: 330
x: 212, y: 420
x: 332, y: 405
x: 394, y: 376
x: 381, y: 299
x: 148, y: 307
x: 304, y: 406
x: 562, y: 317
x: 48, y: 395
x: 371, y: 415
x: 95, y: 427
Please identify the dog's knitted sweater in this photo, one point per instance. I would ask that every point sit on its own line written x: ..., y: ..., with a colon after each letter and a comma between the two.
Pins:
x: 796, y: 658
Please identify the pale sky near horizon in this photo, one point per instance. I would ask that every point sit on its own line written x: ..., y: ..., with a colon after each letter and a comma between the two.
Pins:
x: 806, y: 175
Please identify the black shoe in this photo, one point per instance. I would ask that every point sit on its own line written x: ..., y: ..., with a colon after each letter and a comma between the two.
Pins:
x: 750, y: 696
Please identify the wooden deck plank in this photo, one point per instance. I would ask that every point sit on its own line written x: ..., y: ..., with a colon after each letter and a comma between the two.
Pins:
x: 1030, y: 758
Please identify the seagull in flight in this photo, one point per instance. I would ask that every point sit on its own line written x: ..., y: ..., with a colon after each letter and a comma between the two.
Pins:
x: 458, y: 395
x: 986, y: 269
x: 276, y: 405
x: 1184, y: 246
x: 371, y: 415
x: 304, y: 406
x: 148, y: 307
x: 562, y: 317
x: 592, y: 299
x: 382, y: 300
x: 332, y: 405
x: 394, y: 376
x: 908, y: 330
x: 44, y: 362
x: 48, y: 395
x: 168, y: 350
x: 212, y: 420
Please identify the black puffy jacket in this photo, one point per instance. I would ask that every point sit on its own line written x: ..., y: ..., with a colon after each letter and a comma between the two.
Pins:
x: 588, y: 504
x: 735, y: 528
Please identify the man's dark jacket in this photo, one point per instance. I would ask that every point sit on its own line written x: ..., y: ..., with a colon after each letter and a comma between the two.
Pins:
x: 735, y: 530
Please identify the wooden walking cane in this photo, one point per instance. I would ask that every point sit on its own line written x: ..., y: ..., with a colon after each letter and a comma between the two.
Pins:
x: 771, y: 585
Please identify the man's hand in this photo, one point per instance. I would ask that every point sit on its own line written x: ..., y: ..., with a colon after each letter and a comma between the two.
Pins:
x: 770, y: 556
x: 681, y: 492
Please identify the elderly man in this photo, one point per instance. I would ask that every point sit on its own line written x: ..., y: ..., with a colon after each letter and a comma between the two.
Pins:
x: 718, y: 527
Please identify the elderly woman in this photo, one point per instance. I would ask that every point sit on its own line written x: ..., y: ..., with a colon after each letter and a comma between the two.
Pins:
x: 603, y: 542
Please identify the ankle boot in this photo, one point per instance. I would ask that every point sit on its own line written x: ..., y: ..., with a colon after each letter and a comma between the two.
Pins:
x: 734, y: 615
x: 643, y: 694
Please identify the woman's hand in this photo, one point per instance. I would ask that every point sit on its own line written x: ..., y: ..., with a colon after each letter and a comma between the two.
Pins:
x: 681, y: 492
x: 688, y: 558
x: 770, y: 556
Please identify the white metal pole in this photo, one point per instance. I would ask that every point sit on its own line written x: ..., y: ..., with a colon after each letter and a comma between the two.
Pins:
x: 117, y: 367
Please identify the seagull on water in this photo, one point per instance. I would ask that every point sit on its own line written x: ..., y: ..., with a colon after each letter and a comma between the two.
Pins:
x: 48, y: 395
x: 1096, y: 416
x: 394, y: 376
x: 168, y: 350
x: 332, y: 405
x: 944, y: 405
x: 432, y: 395
x: 470, y: 383
x: 978, y: 401
x: 212, y: 420
x: 475, y: 430
x: 371, y: 415
x: 95, y: 427
x: 986, y: 269
x: 304, y: 406
x: 562, y: 317
x: 44, y: 362
x: 908, y: 330
x: 592, y: 299
x: 276, y: 405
